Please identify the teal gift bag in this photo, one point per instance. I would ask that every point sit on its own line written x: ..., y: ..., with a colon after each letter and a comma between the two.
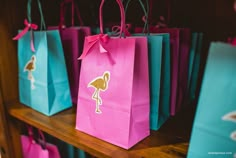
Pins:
x: 194, y: 64
x: 192, y: 52
x: 214, y: 129
x: 43, y: 82
x: 154, y: 62
x: 159, y: 74
x: 163, y: 104
x: 96, y: 30
x: 159, y: 78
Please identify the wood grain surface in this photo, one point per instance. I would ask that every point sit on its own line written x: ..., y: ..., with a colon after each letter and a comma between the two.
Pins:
x: 170, y: 141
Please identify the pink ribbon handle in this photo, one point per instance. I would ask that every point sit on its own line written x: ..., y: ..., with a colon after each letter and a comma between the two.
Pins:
x: 31, y: 137
x: 116, y: 30
x: 122, y: 13
x: 63, y: 9
x: 25, y: 30
x: 103, y: 38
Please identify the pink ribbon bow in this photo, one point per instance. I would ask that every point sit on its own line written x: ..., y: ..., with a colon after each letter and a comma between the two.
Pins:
x: 92, y: 40
x: 23, y: 32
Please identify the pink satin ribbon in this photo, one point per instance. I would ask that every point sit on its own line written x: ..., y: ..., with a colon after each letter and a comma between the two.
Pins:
x: 31, y: 139
x: 26, y: 29
x: 92, y: 40
x: 161, y: 23
x: 116, y: 30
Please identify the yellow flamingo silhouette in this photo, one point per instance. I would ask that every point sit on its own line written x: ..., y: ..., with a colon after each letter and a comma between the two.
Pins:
x: 30, y: 66
x: 100, y: 84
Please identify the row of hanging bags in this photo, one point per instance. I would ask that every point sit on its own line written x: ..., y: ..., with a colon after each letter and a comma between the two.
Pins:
x: 72, y: 40
x: 179, y: 54
x: 159, y: 73
x: 214, y: 130
x: 113, y: 98
x: 43, y: 81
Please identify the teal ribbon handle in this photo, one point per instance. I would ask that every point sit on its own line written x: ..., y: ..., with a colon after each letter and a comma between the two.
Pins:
x: 146, y: 11
x: 29, y: 4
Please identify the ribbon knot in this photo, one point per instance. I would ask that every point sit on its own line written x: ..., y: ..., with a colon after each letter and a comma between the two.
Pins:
x: 25, y: 30
x: 92, y: 40
x: 116, y: 30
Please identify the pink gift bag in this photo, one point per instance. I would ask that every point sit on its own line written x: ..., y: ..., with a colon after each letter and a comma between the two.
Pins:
x: 232, y: 40
x: 32, y: 148
x: 72, y: 41
x: 113, y: 99
x: 184, y: 50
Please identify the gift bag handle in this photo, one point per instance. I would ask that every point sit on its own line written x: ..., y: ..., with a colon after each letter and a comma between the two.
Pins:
x: 74, y: 8
x: 30, y: 133
x: 146, y: 11
x: 42, y: 138
x: 30, y: 26
x: 122, y: 13
x: 29, y: 4
x: 164, y: 21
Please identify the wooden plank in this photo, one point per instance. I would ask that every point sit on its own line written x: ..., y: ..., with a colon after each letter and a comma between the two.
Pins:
x: 169, y: 140
x: 9, y: 129
x: 4, y: 137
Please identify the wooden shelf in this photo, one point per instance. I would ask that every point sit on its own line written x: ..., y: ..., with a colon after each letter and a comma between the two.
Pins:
x: 170, y: 141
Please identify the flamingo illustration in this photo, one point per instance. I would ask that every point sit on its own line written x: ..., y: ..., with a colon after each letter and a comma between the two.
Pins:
x: 30, y: 66
x: 99, y: 84
x: 231, y: 117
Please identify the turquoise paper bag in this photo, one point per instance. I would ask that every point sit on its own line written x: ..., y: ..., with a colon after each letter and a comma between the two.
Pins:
x: 164, y: 101
x: 192, y: 52
x: 194, y: 65
x: 43, y: 81
x: 67, y: 150
x: 214, y: 129
x: 159, y: 78
x: 159, y: 73
x: 96, y: 30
